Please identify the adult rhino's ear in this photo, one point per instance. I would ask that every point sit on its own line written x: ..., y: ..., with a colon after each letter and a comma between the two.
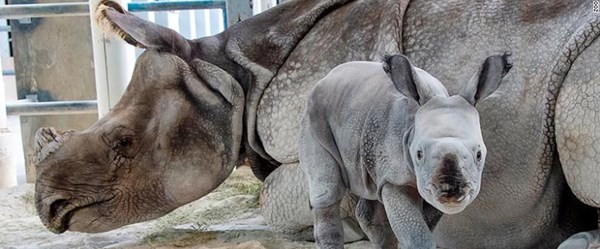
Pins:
x: 487, y: 79
x: 410, y: 81
x: 114, y: 19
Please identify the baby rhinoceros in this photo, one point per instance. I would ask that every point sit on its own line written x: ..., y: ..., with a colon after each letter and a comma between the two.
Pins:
x: 392, y: 135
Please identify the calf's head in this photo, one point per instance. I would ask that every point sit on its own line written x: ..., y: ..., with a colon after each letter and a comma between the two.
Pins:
x: 172, y: 138
x: 446, y: 148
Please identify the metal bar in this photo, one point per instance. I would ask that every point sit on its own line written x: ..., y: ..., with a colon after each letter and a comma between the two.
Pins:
x: 224, y: 12
x: 52, y: 108
x: 5, y: 28
x: 175, y: 5
x: 8, y: 72
x: 19, y: 11
x: 238, y: 10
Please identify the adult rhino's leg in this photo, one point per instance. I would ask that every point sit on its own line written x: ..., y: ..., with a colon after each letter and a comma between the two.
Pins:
x: 577, y: 123
x: 285, y: 206
x: 373, y: 220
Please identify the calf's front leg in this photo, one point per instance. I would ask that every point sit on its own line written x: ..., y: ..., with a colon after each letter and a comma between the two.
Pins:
x: 403, y: 206
x: 329, y: 233
x: 373, y: 220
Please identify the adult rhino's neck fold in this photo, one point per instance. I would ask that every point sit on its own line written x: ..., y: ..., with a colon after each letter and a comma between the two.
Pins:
x: 212, y: 49
x: 261, y: 45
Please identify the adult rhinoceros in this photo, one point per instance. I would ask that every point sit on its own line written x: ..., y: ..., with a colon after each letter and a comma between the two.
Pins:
x: 194, y: 108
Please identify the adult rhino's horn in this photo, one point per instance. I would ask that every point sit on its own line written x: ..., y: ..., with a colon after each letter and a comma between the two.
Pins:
x: 47, y: 141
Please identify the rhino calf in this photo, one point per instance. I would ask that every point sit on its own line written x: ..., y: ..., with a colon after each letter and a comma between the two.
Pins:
x: 393, y: 136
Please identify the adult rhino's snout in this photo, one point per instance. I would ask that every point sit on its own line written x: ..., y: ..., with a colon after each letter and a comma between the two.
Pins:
x: 47, y: 141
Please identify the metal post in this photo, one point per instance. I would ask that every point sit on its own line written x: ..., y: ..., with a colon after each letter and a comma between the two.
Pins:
x: 8, y: 171
x: 238, y: 10
x: 264, y: 5
x: 113, y: 64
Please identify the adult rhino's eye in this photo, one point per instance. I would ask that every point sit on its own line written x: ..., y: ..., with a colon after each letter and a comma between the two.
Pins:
x: 125, y: 146
x: 125, y: 142
x: 478, y: 156
x: 419, y: 155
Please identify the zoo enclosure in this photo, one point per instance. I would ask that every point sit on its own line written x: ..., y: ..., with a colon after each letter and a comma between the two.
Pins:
x: 113, y: 59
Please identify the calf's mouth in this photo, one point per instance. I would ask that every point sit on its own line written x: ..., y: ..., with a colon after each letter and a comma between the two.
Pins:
x: 451, y: 196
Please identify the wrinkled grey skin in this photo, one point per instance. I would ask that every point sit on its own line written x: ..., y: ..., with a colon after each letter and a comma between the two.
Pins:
x: 525, y: 201
x: 397, y: 141
x: 539, y: 127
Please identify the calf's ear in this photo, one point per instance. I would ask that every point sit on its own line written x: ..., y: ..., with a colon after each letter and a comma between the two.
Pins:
x: 138, y: 32
x: 487, y: 79
x: 410, y: 81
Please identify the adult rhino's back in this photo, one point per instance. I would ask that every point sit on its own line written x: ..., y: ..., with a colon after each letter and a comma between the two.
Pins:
x: 522, y: 189
x: 359, y: 31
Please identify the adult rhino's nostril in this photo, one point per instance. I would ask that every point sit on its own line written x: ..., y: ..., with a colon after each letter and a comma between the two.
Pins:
x: 56, y: 207
x: 52, y: 212
x: 48, y: 207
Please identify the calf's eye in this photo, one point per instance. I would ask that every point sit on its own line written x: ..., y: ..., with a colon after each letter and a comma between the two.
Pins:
x: 419, y: 155
x: 478, y: 156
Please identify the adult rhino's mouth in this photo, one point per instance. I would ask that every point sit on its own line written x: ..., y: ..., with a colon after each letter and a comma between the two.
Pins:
x: 57, y: 215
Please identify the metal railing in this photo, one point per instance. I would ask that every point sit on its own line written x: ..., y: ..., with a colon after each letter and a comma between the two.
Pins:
x: 24, y: 11
x: 20, y: 11
x: 52, y: 108
x: 176, y: 5
x: 180, y: 5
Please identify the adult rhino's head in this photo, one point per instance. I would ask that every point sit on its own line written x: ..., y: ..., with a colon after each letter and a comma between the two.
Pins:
x: 446, y: 147
x: 173, y: 137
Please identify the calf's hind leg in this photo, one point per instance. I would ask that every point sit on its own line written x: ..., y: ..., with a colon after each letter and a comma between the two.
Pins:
x: 325, y: 190
x: 285, y: 206
x: 373, y: 220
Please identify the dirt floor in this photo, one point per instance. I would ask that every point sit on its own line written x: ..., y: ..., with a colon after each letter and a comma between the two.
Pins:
x: 226, y: 218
